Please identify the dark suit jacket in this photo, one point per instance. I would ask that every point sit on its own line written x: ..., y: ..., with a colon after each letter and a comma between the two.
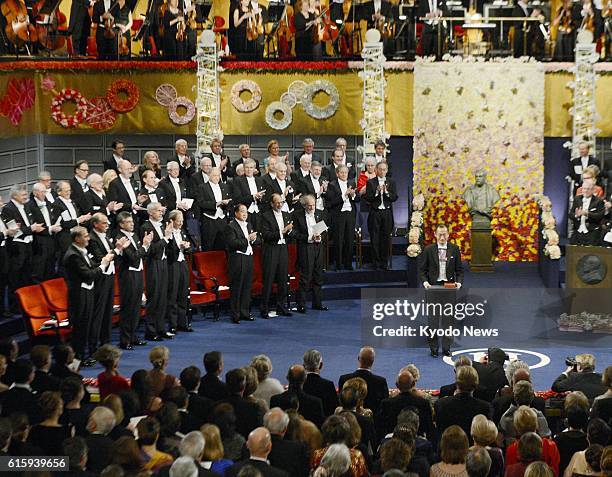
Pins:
x: 388, y: 198
x: 265, y: 469
x: 169, y: 193
x: 213, y: 388
x: 290, y: 456
x: 78, y: 271
x: 460, y: 409
x: 63, y: 236
x: 225, y: 173
x: 329, y: 172
x: 99, y: 454
x: 430, y: 264
x: 202, y: 472
x: 241, y: 192
x: 39, y: 218
x: 94, y: 204
x: 118, y: 193
x: 96, y: 247
x: 502, y: 403
x: 391, y: 407
x: 241, y: 161
x: 184, y: 172
x: 333, y: 197
x: 199, y: 406
x: 491, y: 378
x: 20, y: 400
x: 386, y: 9
x: 296, y: 159
x: 110, y: 162
x: 44, y: 382
x: 423, y: 7
x: 596, y: 213
x: 206, y: 198
x: 324, y: 389
x: 10, y: 212
x: 577, y: 178
x: 249, y: 415
x: 377, y: 387
x: 449, y: 390
x: 588, y: 383
x: 311, y: 407
x: 270, y: 232
x: 130, y: 256
x: 235, y: 241
x: 273, y: 187
x: 158, y: 245
x: 77, y: 194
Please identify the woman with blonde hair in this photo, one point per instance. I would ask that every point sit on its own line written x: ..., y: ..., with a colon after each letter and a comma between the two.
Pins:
x: 150, y: 162
x: 250, y: 387
x: 453, y: 453
x: 213, y: 457
x: 538, y: 469
x: 108, y: 176
x: 273, y: 150
x: 159, y: 379
x: 267, y: 386
x: 361, y: 388
x: 484, y: 433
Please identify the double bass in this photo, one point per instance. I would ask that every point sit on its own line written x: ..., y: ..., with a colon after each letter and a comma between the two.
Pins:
x: 48, y: 26
x: 19, y: 30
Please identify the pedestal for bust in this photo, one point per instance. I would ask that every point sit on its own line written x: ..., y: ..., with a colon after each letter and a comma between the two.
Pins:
x: 482, y: 250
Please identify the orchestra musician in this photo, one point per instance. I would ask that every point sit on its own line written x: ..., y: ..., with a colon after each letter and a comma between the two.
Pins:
x: 304, y: 21
x: 566, y: 22
x: 105, y: 39
x: 432, y: 10
x: 123, y: 24
x: 523, y: 31
x: 241, y: 24
x: 314, y: 7
x: 189, y: 10
x: 80, y: 24
x: 174, y: 32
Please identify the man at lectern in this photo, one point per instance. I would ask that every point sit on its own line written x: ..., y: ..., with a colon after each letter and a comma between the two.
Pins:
x: 441, y: 267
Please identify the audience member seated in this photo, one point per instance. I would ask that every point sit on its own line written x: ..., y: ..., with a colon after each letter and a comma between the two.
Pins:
x: 484, y: 435
x: 361, y: 388
x: 526, y: 421
x: 148, y: 434
x: 267, y: 386
x: 101, y: 422
x: 224, y: 417
x: 598, y: 433
x: 199, y: 406
x: 395, y: 455
x: 391, y: 407
x: 76, y: 413
x: 63, y: 358
x: 10, y: 350
x: 213, y: 456
x: 169, y: 429
x: 516, y: 371
x: 251, y: 385
x: 582, y: 378
x: 461, y: 408
x: 491, y: 374
x: 43, y: 381
x: 337, y: 430
x: 49, y: 434
x: 20, y: 397
x: 419, y: 463
x: 248, y: 414
x: 478, y: 462
x: 259, y: 445
x: 349, y: 401
x: 574, y: 438
x: 528, y: 449
x: 356, y: 441
x: 288, y: 455
x: 212, y: 387
x: 126, y: 454
x: 335, y: 463
x: 523, y: 396
x: 160, y: 381
x: 587, y: 462
x: 318, y: 386
x: 377, y: 385
x: 20, y: 429
x: 140, y: 384
x: 304, y: 431
x: 115, y: 404
x: 453, y: 451
x: 109, y: 380
x: 309, y: 406
x: 602, y: 405
x: 192, y: 447
x: 75, y: 448
x: 538, y: 469
x: 189, y: 422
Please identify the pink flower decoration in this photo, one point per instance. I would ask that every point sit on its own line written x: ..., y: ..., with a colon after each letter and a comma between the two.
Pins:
x: 47, y: 83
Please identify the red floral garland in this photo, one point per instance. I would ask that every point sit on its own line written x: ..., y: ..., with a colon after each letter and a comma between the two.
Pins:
x: 94, y: 65
x: 69, y: 120
x: 123, y: 86
x: 280, y: 66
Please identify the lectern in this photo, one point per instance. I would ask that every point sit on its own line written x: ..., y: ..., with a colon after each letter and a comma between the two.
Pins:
x: 482, y: 250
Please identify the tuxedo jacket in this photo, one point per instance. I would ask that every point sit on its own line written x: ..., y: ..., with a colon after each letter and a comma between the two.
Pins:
x: 63, y: 236
x: 596, y: 213
x: 269, y: 227
x: 172, y: 249
x: 130, y: 255
x: 241, y: 161
x: 304, y: 186
x: 266, y: 470
x: 273, y: 187
x: 386, y: 10
x: 377, y: 387
x: 296, y: 159
x: 329, y: 173
x: 324, y: 389
x: 206, y: 198
x: 108, y: 163
x: 423, y: 7
x: 297, y: 177
x: 430, y: 265
x: 374, y: 199
x: 334, y: 199
x: 158, y: 244
x: 77, y: 194
x: 170, y: 194
x: 39, y: 218
x: 94, y: 203
x: 311, y: 407
x: 96, y: 248
x: 10, y: 212
x: 194, y: 183
x: 184, y: 172
x: 241, y: 192
x: 300, y: 228
x: 577, y: 178
x: 225, y: 173
x: 77, y: 271
x: 235, y: 241
x: 118, y: 193
x: 160, y: 193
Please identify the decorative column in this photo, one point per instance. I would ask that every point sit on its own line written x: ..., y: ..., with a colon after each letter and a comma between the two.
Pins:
x: 207, y: 102
x: 374, y: 83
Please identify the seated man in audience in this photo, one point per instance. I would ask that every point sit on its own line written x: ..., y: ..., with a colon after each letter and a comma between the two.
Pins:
x: 502, y: 403
x: 523, y: 396
x: 491, y: 375
x: 317, y: 386
x: 310, y: 407
x: 478, y: 462
x: 43, y: 381
x: 461, y: 408
x: 377, y: 385
x: 190, y: 447
x: 581, y: 377
x: 211, y: 386
x: 101, y: 422
x: 290, y: 456
x: 75, y: 448
x: 20, y: 398
x: 259, y: 445
x: 249, y: 414
x: 199, y: 406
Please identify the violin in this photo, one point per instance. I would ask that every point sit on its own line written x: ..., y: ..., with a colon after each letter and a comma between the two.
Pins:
x: 180, y: 30
x: 254, y: 24
x: 18, y: 28
x: 285, y: 31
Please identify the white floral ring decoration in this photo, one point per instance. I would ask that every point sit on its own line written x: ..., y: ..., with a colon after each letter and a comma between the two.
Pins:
x: 288, y: 99
x: 319, y: 112
x: 177, y: 118
x: 297, y: 89
x: 165, y: 94
x: 278, y: 124
x: 68, y: 95
x: 253, y: 103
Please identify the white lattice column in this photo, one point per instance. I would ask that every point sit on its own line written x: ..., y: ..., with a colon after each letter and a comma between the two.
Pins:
x: 374, y: 84
x: 207, y: 102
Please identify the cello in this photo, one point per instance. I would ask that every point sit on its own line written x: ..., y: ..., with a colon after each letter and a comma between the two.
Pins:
x: 48, y: 26
x: 19, y: 30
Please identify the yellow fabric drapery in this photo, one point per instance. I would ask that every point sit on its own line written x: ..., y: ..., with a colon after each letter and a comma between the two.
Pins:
x: 151, y: 118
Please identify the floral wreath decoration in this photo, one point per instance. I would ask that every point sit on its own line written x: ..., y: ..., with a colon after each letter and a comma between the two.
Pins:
x: 173, y: 114
x: 68, y: 95
x: 318, y: 112
x: 253, y: 103
x: 285, y: 121
x: 123, y: 86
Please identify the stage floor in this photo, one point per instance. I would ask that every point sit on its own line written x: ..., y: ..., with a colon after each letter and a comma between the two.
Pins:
x: 337, y: 334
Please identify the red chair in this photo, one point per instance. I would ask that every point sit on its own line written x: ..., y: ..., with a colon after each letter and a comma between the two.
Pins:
x: 257, y: 286
x: 56, y: 294
x: 211, y: 271
x: 39, y: 319
x: 294, y: 273
x: 199, y: 296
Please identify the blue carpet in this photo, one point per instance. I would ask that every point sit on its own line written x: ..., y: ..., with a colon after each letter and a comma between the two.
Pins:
x: 337, y: 335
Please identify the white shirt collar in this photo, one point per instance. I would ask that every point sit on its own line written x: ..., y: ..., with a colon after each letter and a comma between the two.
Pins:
x: 17, y: 204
